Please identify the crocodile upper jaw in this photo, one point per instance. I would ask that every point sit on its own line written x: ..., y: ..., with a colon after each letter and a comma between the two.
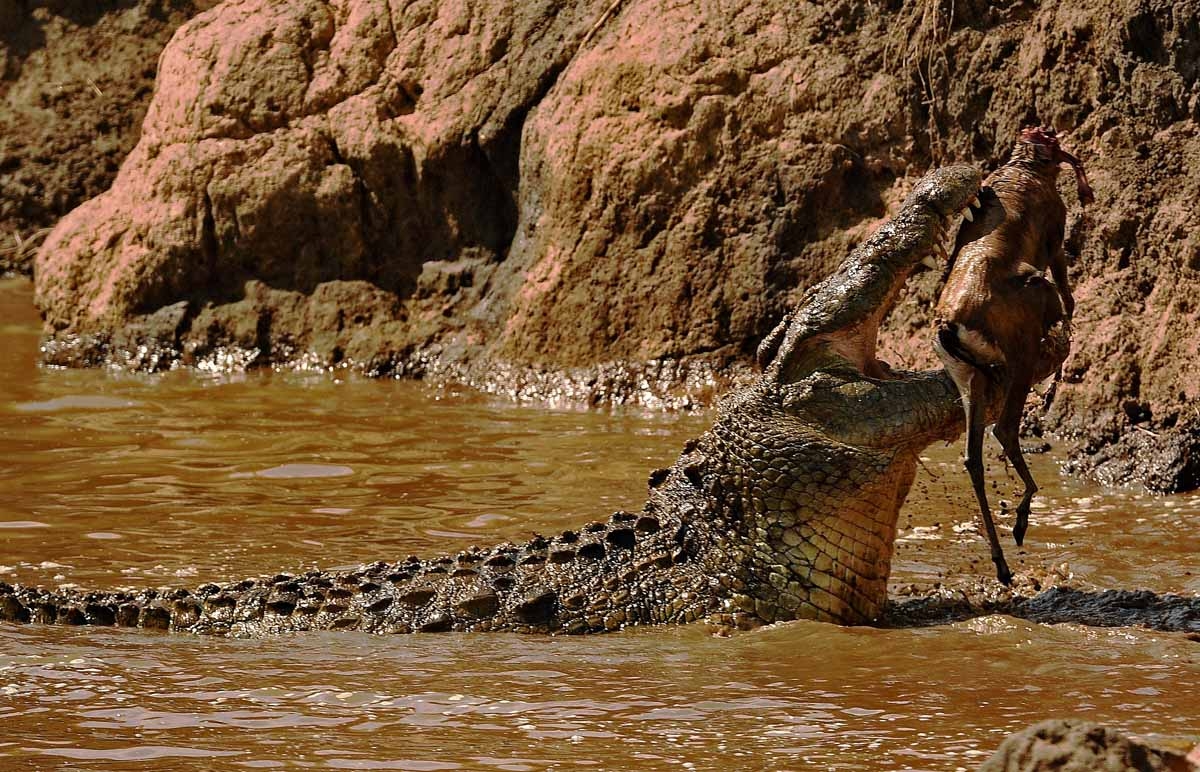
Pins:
x: 837, y: 324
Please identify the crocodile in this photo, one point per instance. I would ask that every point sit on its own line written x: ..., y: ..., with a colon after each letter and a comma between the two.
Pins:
x: 786, y: 508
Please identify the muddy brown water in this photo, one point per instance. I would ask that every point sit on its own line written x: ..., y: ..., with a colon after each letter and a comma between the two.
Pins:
x: 112, y: 480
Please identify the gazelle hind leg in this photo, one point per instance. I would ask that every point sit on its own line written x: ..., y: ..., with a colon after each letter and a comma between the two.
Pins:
x: 972, y: 386
x: 1007, y: 432
x: 973, y: 404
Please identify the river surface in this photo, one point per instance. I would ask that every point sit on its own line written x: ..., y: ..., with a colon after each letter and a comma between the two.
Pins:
x: 111, y: 480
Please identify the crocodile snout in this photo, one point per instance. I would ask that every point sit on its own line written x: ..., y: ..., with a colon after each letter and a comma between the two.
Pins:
x: 947, y: 191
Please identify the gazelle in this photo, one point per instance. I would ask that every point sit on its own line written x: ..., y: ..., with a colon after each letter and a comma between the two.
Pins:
x: 1002, y: 326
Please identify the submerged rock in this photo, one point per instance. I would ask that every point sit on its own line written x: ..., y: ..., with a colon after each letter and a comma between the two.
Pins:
x: 1072, y: 745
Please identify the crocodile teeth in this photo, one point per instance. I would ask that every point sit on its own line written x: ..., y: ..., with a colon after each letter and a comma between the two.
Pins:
x: 929, y: 262
x: 967, y: 214
x: 975, y: 203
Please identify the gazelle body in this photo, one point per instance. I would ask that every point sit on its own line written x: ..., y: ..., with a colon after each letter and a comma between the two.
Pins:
x: 1002, y: 326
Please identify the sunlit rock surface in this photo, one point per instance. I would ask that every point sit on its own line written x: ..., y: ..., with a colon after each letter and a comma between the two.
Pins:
x: 1073, y: 745
x: 627, y: 199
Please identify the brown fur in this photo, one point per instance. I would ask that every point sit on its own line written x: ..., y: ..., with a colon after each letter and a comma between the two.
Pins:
x: 1002, y: 325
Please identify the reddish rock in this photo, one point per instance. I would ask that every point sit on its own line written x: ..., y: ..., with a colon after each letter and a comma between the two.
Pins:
x: 1072, y: 745
x: 75, y: 79
x: 549, y: 201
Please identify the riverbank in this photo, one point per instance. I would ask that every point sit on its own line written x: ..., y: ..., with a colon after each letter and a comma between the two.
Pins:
x: 557, y: 201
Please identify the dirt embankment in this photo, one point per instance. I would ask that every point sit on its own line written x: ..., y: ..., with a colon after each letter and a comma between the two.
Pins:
x: 75, y: 79
x: 573, y: 199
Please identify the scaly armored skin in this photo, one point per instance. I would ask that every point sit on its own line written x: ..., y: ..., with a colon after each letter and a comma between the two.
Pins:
x: 786, y: 508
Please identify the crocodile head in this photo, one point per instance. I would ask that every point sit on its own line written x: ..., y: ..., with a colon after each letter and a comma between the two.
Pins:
x: 943, y: 193
x: 838, y: 319
x: 811, y: 464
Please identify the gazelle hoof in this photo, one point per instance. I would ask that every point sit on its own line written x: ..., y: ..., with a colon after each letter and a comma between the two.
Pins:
x: 1020, y: 526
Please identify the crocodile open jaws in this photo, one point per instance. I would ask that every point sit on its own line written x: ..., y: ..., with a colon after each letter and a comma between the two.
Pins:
x: 786, y: 508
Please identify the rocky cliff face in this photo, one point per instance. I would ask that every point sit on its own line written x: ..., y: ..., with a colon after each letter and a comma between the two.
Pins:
x: 75, y: 79
x: 612, y: 201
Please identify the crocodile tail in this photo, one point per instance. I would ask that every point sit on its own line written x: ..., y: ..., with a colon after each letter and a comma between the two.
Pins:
x: 568, y: 584
x: 149, y: 609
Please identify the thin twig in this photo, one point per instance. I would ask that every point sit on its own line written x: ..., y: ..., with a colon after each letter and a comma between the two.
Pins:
x: 604, y: 17
x: 24, y: 245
